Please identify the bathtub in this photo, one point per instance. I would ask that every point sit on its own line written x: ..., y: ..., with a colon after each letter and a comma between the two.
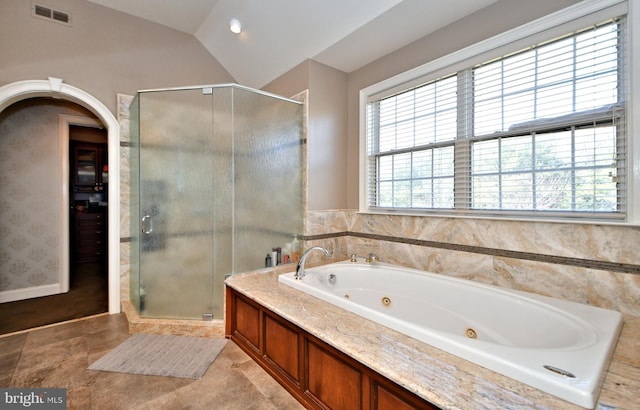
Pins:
x: 560, y: 347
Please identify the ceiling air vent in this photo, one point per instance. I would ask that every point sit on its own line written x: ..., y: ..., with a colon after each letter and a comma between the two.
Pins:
x: 47, y: 13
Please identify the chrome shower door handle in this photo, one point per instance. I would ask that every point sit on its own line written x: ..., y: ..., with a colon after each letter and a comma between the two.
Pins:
x: 146, y: 224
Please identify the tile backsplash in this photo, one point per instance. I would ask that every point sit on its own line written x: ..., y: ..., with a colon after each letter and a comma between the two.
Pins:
x: 592, y: 264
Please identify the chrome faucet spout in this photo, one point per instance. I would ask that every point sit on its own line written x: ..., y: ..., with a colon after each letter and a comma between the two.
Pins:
x: 300, y: 266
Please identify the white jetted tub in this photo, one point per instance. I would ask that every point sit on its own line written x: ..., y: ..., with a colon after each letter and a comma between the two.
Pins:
x: 560, y: 347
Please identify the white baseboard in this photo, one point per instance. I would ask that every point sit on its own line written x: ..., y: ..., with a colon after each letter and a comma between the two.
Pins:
x: 28, y: 293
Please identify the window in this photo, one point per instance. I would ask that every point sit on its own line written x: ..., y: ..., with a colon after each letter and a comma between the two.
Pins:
x: 539, y: 131
x: 412, y: 146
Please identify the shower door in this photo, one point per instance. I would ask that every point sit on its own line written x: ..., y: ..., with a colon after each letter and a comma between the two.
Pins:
x: 177, y: 219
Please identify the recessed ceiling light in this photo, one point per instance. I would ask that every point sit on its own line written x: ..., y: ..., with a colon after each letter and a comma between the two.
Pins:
x: 235, y: 26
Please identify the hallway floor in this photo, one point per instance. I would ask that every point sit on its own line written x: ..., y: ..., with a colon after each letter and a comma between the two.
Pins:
x: 88, y: 295
x: 58, y: 357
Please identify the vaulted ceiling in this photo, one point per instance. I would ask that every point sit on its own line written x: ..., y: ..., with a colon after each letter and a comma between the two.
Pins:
x: 277, y: 35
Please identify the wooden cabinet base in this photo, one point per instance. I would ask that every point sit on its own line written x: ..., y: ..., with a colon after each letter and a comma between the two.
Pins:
x: 315, y: 373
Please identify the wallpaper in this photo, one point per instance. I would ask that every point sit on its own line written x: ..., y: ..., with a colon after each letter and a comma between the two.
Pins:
x: 30, y: 193
x: 29, y: 198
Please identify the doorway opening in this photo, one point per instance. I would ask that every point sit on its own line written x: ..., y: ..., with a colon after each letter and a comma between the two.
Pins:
x: 39, y: 249
x: 58, y: 89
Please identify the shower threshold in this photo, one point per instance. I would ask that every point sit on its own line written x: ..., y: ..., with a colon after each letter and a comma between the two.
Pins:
x: 179, y: 327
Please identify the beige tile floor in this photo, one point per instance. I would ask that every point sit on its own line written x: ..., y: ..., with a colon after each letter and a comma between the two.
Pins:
x: 58, y: 356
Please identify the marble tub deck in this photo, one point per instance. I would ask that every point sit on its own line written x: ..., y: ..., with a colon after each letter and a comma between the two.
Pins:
x: 440, y: 378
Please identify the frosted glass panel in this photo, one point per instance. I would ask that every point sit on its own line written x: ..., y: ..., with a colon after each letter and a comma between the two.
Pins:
x: 134, y: 202
x: 220, y: 183
x: 268, y: 176
x: 176, y: 197
x: 223, y: 185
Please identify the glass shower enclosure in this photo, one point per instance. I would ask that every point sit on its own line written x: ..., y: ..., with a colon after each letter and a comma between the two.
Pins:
x: 216, y: 184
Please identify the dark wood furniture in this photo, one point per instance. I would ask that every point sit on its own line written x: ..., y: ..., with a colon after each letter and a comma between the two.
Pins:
x: 88, y: 182
x: 90, y: 167
x: 90, y: 236
x: 315, y: 373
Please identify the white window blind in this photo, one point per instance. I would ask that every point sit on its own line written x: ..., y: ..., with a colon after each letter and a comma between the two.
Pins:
x: 412, y: 146
x: 539, y: 131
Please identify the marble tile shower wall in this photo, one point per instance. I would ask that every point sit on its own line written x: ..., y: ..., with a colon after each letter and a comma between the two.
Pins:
x: 592, y: 264
x: 124, y: 101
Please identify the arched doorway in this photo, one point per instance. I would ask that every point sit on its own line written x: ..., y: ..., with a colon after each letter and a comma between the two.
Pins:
x: 54, y: 87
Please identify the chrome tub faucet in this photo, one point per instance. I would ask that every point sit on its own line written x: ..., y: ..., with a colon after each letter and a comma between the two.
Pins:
x: 300, y: 266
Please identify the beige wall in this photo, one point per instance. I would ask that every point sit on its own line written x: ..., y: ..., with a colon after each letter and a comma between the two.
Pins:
x: 104, y: 52
x: 293, y: 82
x: 327, y: 136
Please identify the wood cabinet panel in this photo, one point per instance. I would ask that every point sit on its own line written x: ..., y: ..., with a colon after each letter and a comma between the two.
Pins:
x: 388, y: 400
x: 247, y: 321
x: 332, y: 381
x: 314, y: 372
x: 282, y: 346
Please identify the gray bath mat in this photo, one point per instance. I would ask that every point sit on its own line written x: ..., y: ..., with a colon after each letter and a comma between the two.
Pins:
x: 162, y: 355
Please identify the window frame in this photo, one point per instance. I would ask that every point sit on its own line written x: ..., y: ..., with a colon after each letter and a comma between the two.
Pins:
x: 563, y: 21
